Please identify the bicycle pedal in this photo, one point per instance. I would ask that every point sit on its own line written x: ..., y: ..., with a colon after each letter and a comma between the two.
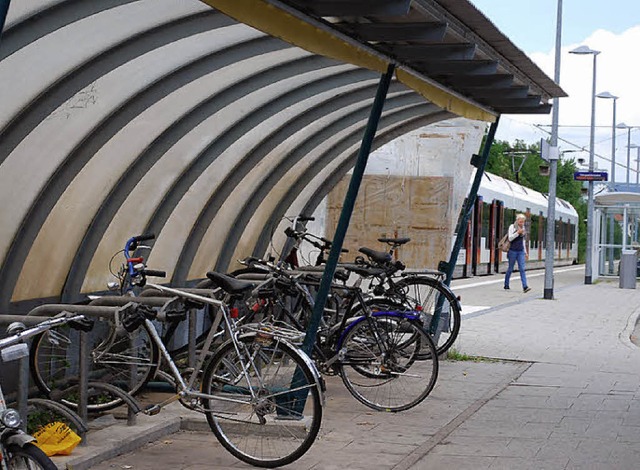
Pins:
x: 152, y: 410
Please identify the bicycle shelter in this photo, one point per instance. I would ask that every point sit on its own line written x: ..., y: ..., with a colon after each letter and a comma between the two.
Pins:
x: 126, y: 117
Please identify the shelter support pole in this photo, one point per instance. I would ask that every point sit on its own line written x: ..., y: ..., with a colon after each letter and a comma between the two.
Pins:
x: 347, y: 209
x: 480, y: 162
x: 4, y: 8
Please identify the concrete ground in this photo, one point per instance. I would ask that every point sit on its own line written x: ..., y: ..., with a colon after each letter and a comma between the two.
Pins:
x: 558, y: 389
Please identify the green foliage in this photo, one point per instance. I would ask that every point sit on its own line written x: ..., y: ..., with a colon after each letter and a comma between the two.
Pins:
x: 520, y: 162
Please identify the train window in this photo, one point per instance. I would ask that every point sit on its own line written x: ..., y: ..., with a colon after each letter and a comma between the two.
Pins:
x: 486, y: 219
x: 533, y: 231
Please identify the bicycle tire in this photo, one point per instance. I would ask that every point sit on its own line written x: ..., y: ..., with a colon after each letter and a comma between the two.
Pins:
x: 380, y: 366
x: 424, y: 293
x: 267, y: 433
x: 28, y: 456
x: 54, y: 363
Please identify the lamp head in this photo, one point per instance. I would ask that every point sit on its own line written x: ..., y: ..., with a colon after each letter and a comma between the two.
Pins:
x: 622, y: 125
x: 584, y: 50
x: 606, y: 95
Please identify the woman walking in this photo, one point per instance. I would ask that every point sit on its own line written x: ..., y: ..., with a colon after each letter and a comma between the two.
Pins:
x: 517, y: 252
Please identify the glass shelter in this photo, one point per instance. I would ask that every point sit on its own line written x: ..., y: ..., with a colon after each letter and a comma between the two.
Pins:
x: 617, y: 228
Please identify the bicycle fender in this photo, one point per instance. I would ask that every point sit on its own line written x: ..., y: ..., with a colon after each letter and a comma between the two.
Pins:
x: 20, y: 438
x: 407, y: 315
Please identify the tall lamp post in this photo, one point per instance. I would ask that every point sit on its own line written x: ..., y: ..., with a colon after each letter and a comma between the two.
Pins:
x: 637, y: 147
x: 584, y: 50
x: 622, y: 125
x: 612, y: 174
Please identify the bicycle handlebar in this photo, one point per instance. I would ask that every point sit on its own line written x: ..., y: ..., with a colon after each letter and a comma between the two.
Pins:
x: 39, y: 328
x: 142, y: 238
x: 154, y: 273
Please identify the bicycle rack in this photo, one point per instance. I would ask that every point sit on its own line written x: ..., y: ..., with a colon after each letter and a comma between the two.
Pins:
x: 69, y: 414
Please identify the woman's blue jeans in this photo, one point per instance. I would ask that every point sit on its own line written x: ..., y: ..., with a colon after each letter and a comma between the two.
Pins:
x: 514, y: 256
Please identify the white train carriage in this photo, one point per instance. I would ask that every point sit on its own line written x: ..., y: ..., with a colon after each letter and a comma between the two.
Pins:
x: 498, y: 202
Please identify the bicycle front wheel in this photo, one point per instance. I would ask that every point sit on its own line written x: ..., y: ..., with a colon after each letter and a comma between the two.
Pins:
x: 385, y: 363
x: 127, y: 360
x: 266, y: 404
x: 434, y: 301
x: 28, y: 457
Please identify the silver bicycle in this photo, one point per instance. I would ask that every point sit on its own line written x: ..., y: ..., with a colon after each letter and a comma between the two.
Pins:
x: 262, y: 396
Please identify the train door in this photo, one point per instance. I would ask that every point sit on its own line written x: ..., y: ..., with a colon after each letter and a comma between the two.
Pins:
x: 492, y: 241
x: 476, y: 235
x: 540, y: 233
x: 499, y: 230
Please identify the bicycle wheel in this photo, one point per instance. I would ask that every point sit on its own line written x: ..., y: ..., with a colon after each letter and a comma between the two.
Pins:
x: 28, y: 457
x: 380, y: 365
x: 267, y: 407
x: 55, y: 361
x: 430, y: 296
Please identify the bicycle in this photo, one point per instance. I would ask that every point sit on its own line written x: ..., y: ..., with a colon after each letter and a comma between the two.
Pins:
x: 17, y: 448
x: 261, y: 395
x: 375, y: 353
x: 422, y: 290
x: 391, y: 284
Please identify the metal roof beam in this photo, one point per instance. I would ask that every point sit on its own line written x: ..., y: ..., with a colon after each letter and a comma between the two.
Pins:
x: 418, y: 52
x: 458, y: 67
x: 499, y: 92
x: 541, y: 109
x: 432, y: 31
x: 531, y: 101
x: 353, y: 7
x: 488, y: 81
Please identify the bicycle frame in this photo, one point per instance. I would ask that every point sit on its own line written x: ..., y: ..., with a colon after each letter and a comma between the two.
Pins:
x: 186, y: 389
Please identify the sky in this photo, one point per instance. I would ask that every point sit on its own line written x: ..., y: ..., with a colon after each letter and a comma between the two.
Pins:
x: 613, y: 28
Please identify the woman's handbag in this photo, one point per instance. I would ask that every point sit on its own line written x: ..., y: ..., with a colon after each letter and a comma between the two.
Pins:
x: 504, y: 244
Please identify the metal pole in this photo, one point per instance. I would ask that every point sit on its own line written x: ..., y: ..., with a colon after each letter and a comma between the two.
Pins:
x: 612, y: 185
x: 628, y: 153
x: 613, y: 147
x: 347, y: 209
x: 4, y: 8
x: 461, y: 229
x: 589, y: 254
x: 553, y: 171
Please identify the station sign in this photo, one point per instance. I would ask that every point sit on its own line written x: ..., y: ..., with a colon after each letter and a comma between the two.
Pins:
x: 590, y: 175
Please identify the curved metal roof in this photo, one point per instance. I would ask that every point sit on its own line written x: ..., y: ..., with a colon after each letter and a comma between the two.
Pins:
x: 122, y: 117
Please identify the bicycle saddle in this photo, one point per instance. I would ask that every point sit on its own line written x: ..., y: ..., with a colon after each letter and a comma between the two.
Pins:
x: 395, y: 241
x: 377, y: 256
x: 230, y: 284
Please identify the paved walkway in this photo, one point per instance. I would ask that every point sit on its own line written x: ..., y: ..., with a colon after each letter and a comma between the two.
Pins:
x: 562, y: 396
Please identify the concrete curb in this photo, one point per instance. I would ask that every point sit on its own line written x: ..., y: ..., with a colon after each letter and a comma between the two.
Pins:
x: 117, y: 439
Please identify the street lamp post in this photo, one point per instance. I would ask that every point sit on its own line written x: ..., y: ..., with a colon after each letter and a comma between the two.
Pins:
x: 637, y: 147
x: 612, y: 176
x: 622, y: 125
x: 584, y: 50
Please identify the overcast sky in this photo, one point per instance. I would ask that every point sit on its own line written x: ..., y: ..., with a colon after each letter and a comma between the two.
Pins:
x: 611, y: 27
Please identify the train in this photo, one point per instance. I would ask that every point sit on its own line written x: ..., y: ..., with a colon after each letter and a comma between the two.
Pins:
x: 498, y: 202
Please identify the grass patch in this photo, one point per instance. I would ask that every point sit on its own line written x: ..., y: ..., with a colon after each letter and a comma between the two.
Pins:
x: 455, y: 355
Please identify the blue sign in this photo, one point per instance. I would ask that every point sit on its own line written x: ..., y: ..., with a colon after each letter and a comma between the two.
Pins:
x: 590, y: 175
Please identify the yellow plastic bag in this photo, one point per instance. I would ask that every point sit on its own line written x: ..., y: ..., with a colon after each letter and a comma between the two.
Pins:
x: 56, y: 439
